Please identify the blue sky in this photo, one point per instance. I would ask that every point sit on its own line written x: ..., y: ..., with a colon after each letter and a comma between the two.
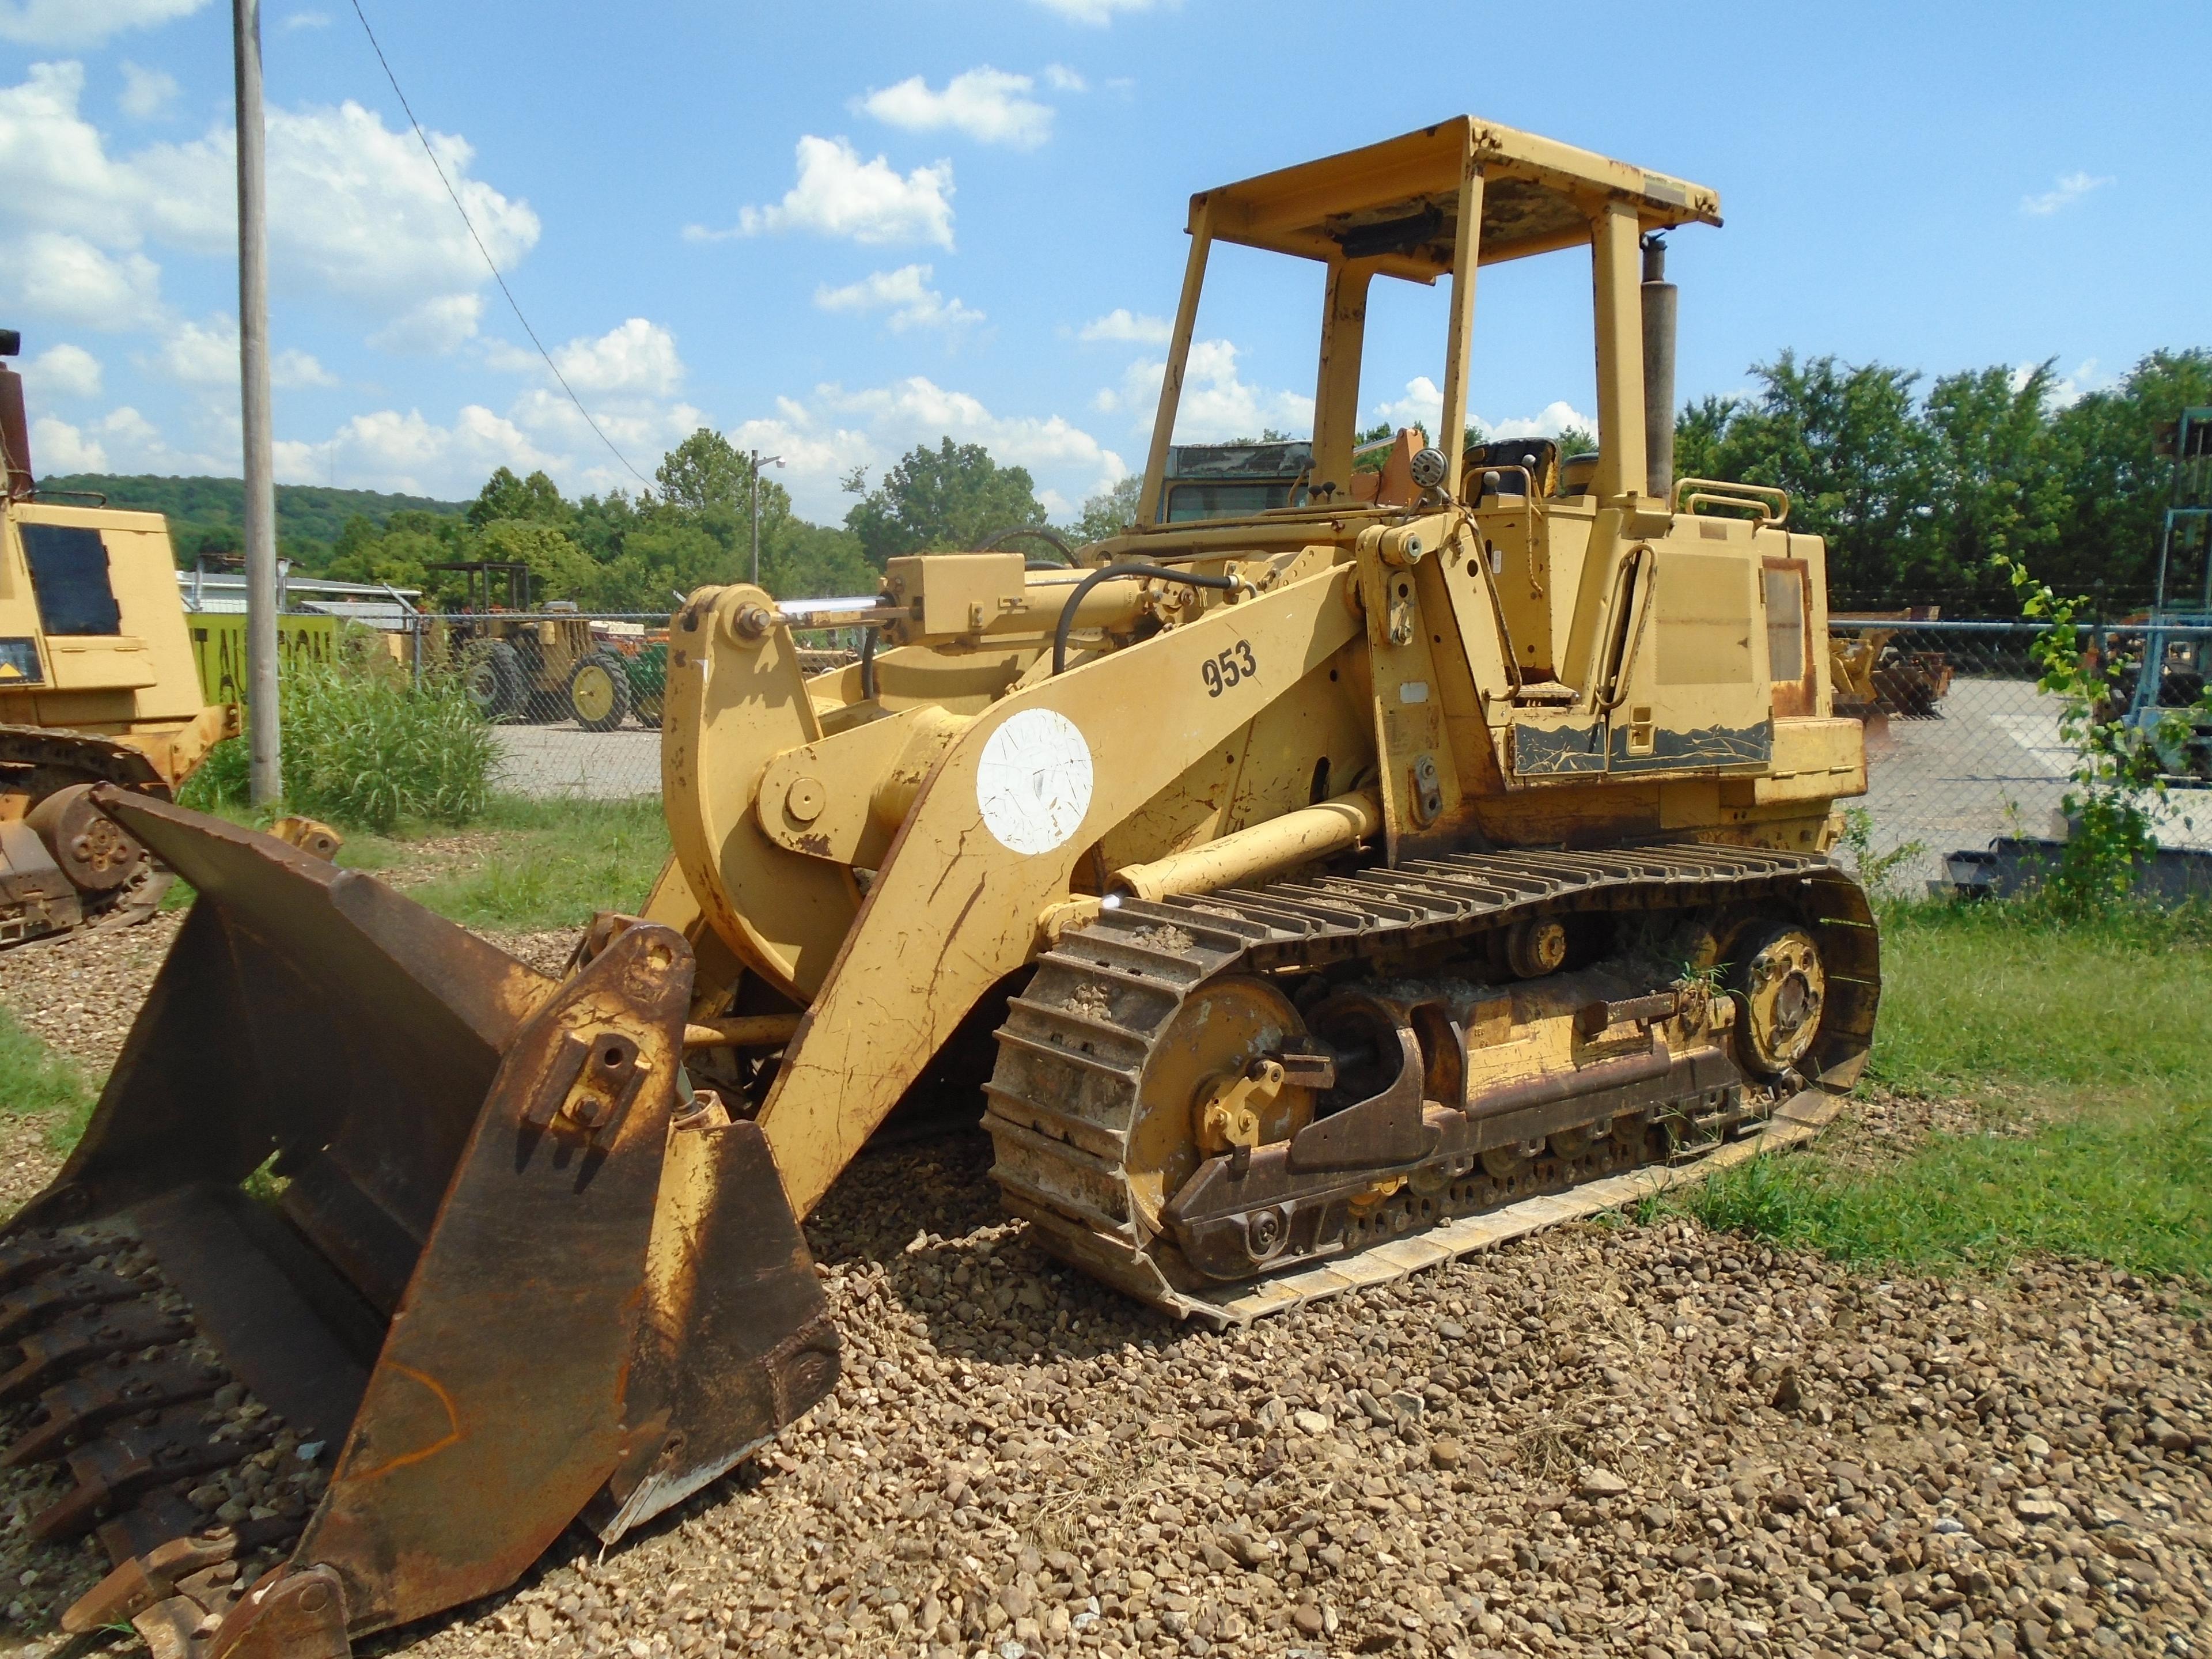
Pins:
x: 838, y: 230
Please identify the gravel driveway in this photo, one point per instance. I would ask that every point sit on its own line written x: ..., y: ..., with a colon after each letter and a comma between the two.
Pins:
x: 1635, y: 1439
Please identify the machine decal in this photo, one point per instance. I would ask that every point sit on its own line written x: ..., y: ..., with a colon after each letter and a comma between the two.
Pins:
x: 1033, y: 782
x: 1569, y: 752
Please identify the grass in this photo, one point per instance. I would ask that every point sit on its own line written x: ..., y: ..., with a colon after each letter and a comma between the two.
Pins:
x: 530, y: 865
x: 2104, y: 1028
x: 34, y: 1078
x: 552, y: 863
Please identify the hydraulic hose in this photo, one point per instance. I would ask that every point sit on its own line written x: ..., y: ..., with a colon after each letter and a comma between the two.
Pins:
x: 1126, y: 567
x: 868, y: 664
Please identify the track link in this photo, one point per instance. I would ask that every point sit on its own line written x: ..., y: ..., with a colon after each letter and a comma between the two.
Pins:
x: 1064, y: 1101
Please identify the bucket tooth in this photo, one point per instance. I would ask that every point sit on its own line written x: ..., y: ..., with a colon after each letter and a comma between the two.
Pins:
x: 86, y: 1334
x: 120, y: 1464
x: 28, y: 1255
x: 61, y: 1291
x: 76, y: 1408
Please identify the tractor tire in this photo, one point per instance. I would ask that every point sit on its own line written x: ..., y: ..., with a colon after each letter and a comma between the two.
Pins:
x: 492, y: 674
x: 598, y: 692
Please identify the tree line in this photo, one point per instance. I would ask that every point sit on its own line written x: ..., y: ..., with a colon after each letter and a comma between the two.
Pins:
x: 1916, y: 492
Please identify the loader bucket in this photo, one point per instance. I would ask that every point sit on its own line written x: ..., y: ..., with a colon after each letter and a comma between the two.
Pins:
x: 460, y: 1228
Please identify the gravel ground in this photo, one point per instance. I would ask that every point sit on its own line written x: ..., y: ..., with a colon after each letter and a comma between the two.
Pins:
x: 1638, y: 1440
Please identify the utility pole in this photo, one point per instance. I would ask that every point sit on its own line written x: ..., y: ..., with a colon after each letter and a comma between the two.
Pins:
x: 267, y: 778
x: 759, y: 461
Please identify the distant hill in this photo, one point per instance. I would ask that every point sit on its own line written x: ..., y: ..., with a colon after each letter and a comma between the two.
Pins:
x: 200, y: 508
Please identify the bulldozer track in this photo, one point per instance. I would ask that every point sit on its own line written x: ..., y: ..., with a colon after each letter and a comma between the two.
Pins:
x: 49, y: 760
x: 1063, y: 1104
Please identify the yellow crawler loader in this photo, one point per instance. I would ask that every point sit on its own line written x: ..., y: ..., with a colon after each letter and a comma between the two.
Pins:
x: 1338, y: 880
x: 97, y: 685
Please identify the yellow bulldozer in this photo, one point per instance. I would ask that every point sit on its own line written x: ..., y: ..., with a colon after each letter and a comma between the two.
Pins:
x: 98, y: 685
x: 1338, y: 878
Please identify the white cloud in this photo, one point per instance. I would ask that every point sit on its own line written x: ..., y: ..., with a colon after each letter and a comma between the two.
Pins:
x: 355, y: 208
x: 207, y: 355
x: 147, y: 93
x: 1423, y: 406
x: 2071, y: 188
x: 49, y: 274
x: 1548, y: 422
x: 838, y: 194
x: 1098, y: 13
x: 638, y: 358
x: 307, y: 20
x: 121, y: 440
x: 64, y: 371
x: 1123, y: 324
x: 84, y: 22
x: 433, y: 328
x: 905, y: 293
x: 988, y: 105
x: 386, y: 450
x: 1060, y: 78
x: 58, y: 448
x: 1216, y: 404
x: 825, y: 435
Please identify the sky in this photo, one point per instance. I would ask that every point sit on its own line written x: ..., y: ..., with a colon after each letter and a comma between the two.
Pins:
x: 835, y: 231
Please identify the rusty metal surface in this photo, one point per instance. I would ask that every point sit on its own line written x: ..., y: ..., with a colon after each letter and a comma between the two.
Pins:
x: 736, y: 1341
x: 495, y: 1412
x: 489, y: 1280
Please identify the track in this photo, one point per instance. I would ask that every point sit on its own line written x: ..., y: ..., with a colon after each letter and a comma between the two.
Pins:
x: 34, y: 762
x: 1108, y: 1007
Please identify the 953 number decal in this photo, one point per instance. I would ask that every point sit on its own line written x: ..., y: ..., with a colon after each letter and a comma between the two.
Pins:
x: 1233, y: 667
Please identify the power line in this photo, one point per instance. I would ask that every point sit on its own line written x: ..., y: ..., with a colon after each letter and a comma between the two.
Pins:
x: 490, y: 263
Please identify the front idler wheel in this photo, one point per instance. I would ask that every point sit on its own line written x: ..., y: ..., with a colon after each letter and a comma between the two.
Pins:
x: 1781, y: 990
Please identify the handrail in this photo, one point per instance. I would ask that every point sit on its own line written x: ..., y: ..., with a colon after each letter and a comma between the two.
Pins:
x: 1769, y: 501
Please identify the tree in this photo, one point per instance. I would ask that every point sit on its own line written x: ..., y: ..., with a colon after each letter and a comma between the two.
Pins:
x: 1847, y: 444
x: 954, y: 495
x: 536, y: 498
x: 706, y: 472
x: 1111, y: 511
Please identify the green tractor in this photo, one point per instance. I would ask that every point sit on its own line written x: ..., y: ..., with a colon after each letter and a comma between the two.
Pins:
x: 532, y: 668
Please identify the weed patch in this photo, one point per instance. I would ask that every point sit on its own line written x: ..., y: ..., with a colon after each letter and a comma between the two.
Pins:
x: 34, y: 1078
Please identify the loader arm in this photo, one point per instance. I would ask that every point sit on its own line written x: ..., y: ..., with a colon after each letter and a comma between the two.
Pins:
x: 955, y: 906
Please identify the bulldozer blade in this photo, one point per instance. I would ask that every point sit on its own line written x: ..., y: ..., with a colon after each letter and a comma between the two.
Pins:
x: 463, y: 1230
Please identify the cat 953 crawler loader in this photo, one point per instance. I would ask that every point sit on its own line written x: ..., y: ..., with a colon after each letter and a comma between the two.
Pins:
x: 1340, y: 882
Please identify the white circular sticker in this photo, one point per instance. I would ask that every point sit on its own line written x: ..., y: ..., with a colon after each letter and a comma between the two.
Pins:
x: 1033, y: 782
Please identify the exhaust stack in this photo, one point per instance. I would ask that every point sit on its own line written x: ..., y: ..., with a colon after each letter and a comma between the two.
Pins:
x: 15, y: 428
x: 1659, y: 308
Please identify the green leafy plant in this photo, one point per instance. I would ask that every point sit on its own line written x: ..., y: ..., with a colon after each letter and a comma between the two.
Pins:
x: 2118, y: 779
x: 1873, y: 869
x: 364, y: 749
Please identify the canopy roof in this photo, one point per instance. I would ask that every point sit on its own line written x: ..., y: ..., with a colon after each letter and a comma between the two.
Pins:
x: 1398, y: 202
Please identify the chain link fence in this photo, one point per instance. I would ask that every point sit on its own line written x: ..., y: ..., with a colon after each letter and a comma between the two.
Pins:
x: 1961, y: 747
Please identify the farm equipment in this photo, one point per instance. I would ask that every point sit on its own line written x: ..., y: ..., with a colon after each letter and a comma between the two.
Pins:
x: 1341, y: 878
x: 97, y: 685
x: 533, y: 667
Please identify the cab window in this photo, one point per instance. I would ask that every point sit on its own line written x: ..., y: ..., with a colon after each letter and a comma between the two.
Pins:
x: 68, y: 573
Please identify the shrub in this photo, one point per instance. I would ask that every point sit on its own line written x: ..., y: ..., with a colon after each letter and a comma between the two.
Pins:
x: 364, y: 749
